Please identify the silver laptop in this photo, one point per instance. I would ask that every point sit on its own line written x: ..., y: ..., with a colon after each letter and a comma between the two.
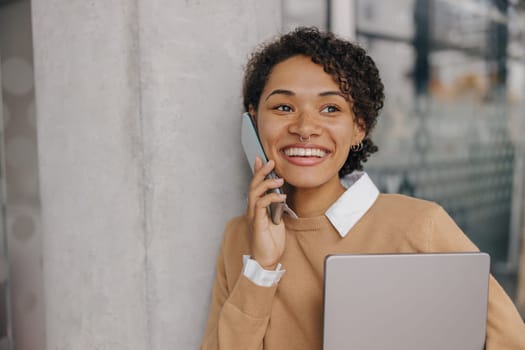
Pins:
x: 406, y: 301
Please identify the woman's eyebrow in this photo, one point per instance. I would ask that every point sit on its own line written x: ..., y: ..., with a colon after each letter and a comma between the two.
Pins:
x: 331, y: 93
x: 280, y: 91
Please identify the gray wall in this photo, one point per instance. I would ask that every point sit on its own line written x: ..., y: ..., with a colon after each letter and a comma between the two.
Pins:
x: 138, y: 105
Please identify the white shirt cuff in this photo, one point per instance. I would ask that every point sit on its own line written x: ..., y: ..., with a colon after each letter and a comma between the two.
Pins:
x: 260, y: 276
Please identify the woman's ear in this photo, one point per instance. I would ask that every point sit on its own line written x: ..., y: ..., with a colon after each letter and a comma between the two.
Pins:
x: 253, y: 114
x: 359, y: 130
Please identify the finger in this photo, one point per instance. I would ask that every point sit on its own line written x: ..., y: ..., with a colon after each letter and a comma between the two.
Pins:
x: 260, y: 174
x: 257, y: 164
x: 260, y: 212
x: 265, y: 186
x: 260, y: 207
x: 260, y: 190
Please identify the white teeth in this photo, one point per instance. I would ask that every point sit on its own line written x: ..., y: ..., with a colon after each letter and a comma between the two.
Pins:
x: 304, y: 152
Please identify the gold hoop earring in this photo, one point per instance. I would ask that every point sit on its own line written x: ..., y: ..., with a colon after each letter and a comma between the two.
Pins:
x: 357, y: 148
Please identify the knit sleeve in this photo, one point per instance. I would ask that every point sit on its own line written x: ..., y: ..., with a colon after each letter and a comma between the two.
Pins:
x: 505, y: 327
x: 239, y: 314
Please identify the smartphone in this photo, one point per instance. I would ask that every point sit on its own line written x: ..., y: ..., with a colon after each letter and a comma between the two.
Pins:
x: 252, y: 148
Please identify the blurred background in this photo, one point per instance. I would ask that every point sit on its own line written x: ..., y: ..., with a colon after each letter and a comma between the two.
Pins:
x: 453, y: 123
x: 451, y: 131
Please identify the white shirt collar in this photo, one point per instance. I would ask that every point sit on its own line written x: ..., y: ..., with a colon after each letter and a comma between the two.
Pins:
x: 360, y: 195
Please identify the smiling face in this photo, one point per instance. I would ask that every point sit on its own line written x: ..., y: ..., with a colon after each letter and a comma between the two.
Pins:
x: 306, y: 125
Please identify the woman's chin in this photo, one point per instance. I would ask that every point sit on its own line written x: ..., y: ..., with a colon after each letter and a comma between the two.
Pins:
x: 308, y: 177
x: 305, y: 182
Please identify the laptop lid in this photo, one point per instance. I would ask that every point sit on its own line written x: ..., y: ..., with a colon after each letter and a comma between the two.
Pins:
x: 406, y: 301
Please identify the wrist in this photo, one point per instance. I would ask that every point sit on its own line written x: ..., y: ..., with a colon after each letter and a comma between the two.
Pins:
x: 267, y: 265
x: 259, y: 275
x: 271, y: 267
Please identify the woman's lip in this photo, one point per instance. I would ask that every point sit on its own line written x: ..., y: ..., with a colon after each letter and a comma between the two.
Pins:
x: 303, y: 161
x: 305, y: 145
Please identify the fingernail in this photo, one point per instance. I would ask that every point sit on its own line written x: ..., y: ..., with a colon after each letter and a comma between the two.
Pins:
x: 278, y: 180
x: 283, y: 196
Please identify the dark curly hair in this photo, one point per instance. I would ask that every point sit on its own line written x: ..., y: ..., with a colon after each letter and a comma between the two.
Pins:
x: 347, y: 63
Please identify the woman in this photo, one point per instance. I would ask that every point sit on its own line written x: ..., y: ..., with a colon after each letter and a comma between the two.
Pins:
x: 315, y: 99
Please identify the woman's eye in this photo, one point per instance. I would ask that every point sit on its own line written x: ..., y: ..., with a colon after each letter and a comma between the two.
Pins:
x: 330, y: 109
x: 283, y: 108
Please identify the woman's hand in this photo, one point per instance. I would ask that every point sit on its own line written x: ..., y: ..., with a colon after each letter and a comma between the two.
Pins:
x: 267, y: 238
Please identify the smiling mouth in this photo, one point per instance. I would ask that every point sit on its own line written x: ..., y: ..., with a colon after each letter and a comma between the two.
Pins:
x: 304, y: 152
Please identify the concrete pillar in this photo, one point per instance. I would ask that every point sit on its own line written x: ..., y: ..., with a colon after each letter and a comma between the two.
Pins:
x: 138, y: 108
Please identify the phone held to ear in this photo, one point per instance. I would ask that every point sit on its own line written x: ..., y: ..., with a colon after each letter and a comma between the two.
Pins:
x: 253, y: 148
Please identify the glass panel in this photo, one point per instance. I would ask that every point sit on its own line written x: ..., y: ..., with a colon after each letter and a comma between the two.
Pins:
x: 450, y: 130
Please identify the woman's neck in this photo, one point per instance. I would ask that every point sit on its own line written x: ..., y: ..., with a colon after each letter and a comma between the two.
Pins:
x: 310, y: 202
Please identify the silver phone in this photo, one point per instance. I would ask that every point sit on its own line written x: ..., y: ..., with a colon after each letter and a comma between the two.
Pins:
x: 252, y: 148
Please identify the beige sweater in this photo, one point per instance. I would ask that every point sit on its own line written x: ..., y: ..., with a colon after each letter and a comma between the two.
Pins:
x: 245, y: 316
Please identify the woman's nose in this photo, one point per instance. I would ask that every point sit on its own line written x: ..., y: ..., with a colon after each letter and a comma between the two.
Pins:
x: 305, y: 125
